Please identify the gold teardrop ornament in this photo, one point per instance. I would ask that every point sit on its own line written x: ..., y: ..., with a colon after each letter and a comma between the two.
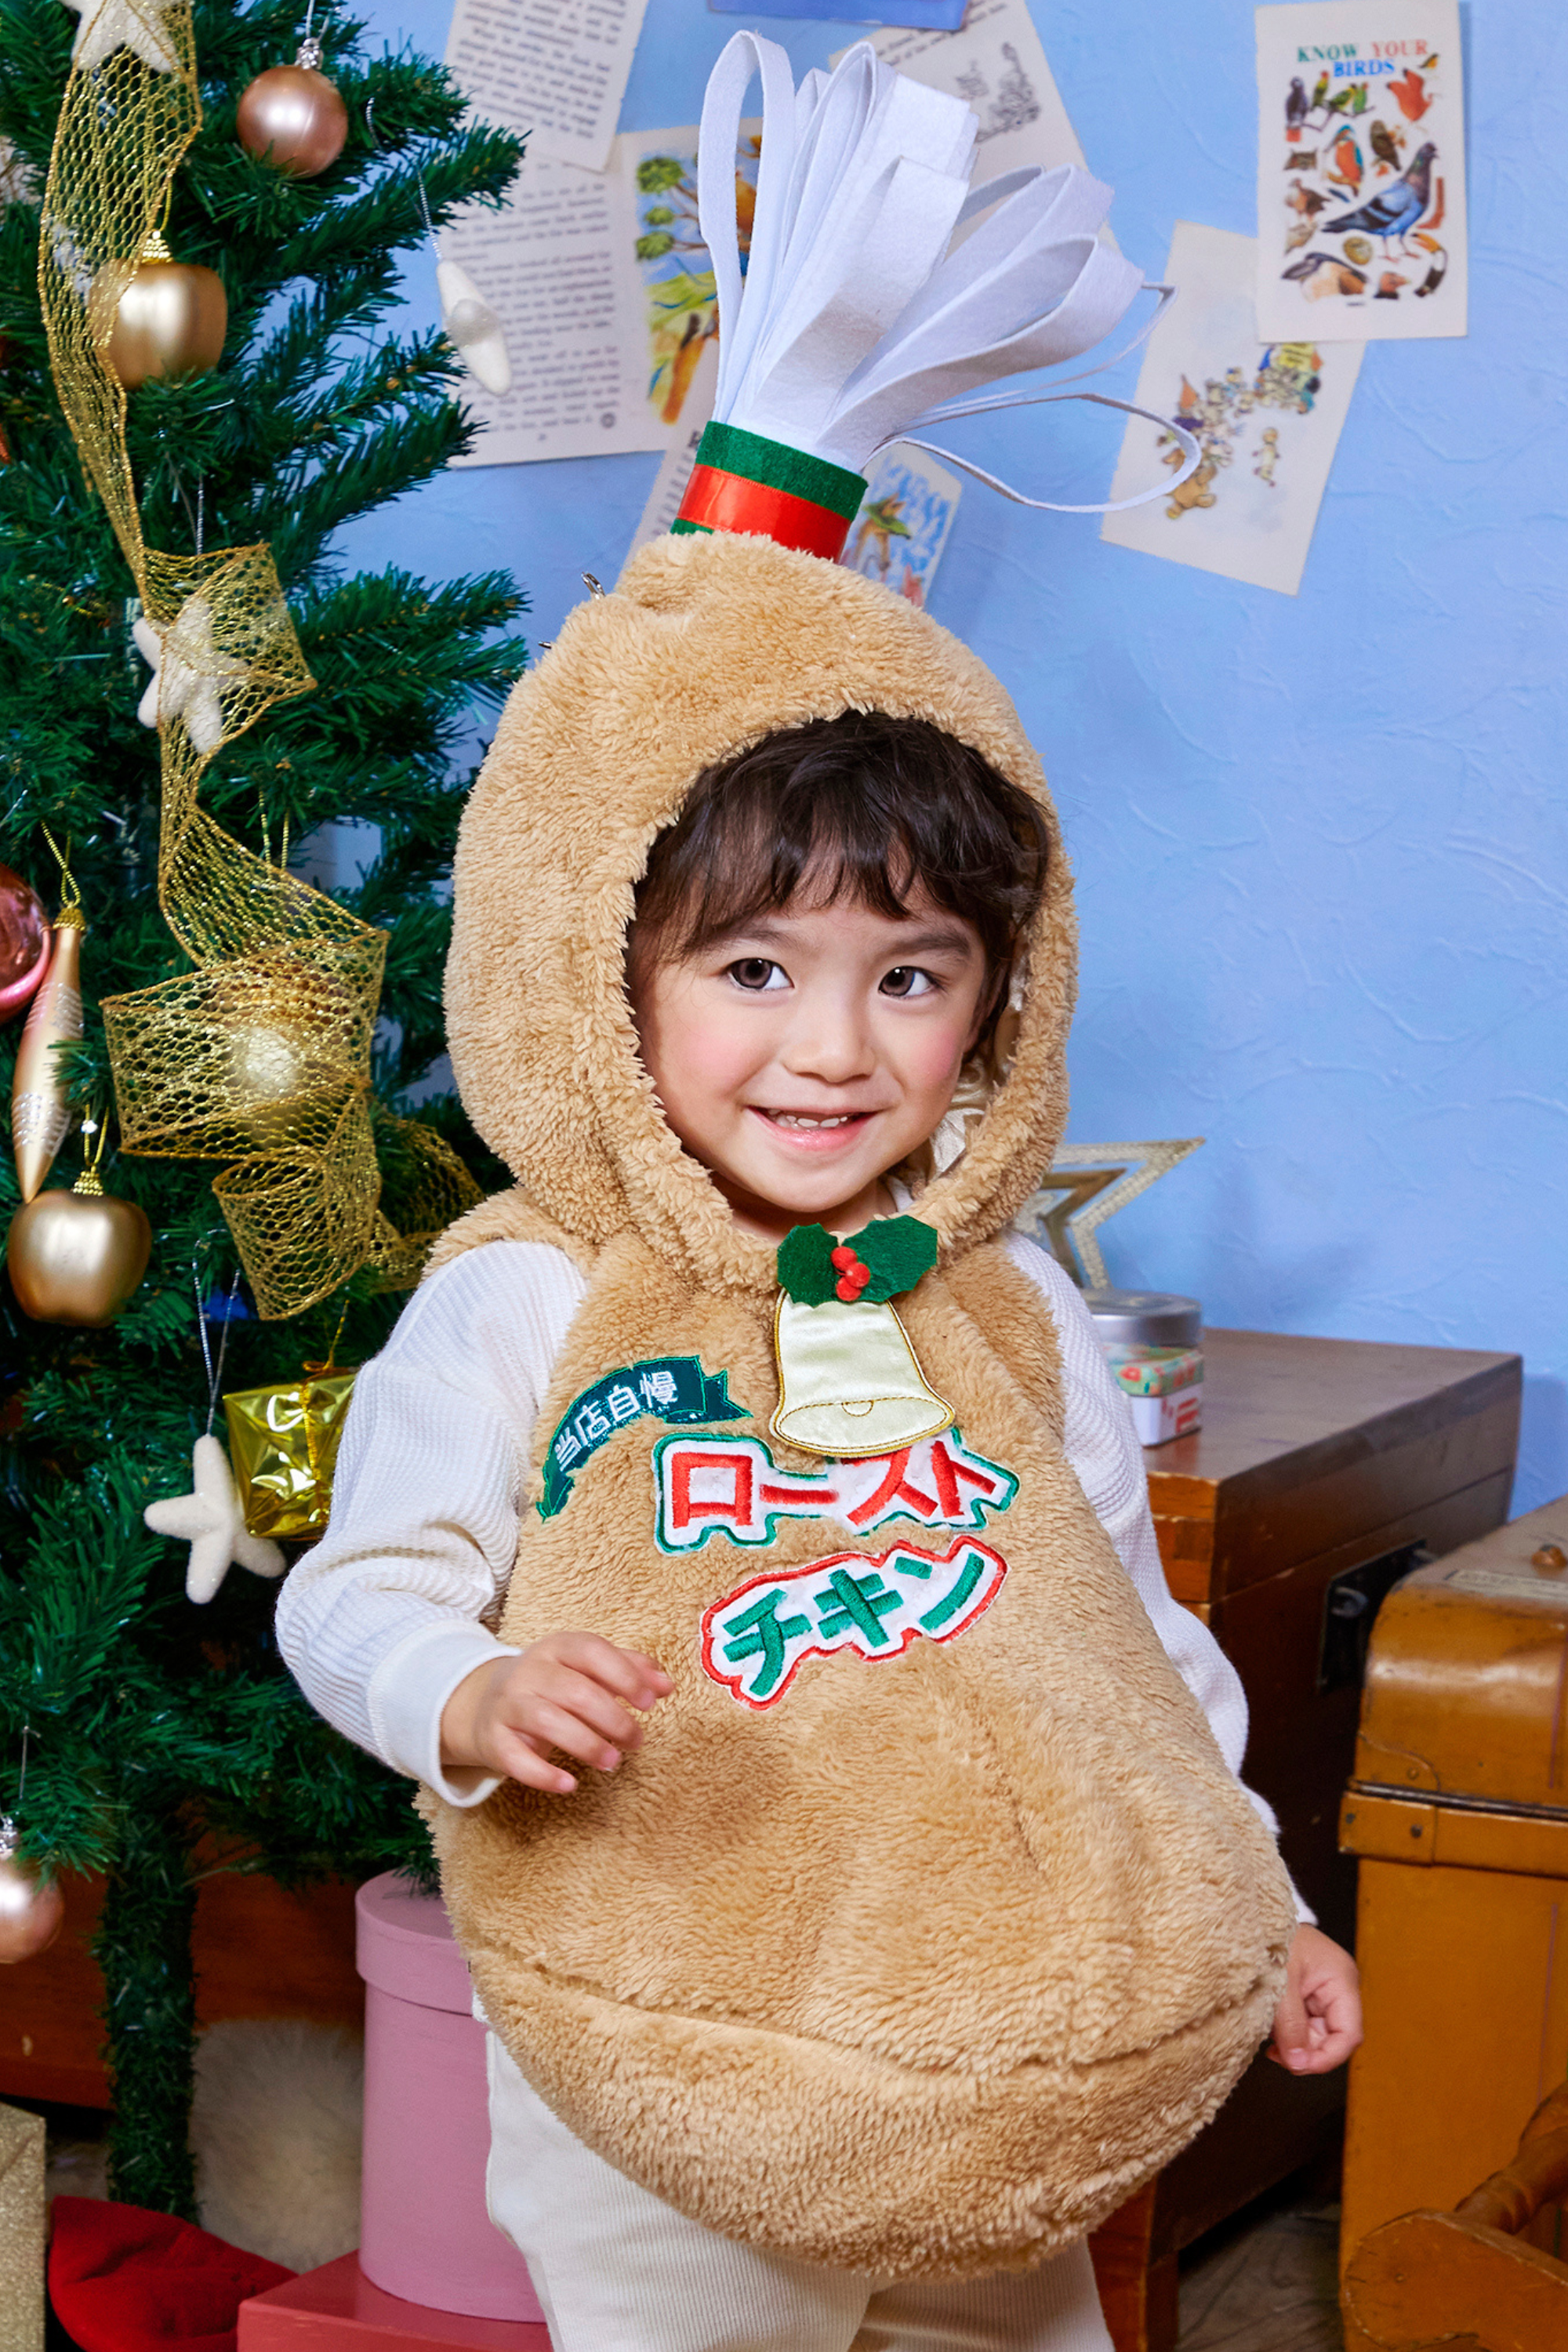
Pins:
x: 849, y: 1385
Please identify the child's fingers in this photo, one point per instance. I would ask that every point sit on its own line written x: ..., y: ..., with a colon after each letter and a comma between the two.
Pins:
x: 633, y: 1677
x: 511, y: 1754
x: 1291, y: 2044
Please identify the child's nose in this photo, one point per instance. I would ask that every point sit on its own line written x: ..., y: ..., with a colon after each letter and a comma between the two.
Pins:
x: 831, y: 1041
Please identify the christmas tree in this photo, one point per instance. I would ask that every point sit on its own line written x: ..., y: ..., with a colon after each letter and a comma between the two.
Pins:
x: 165, y: 1738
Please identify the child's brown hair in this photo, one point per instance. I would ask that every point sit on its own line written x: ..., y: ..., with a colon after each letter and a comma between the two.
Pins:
x: 863, y: 807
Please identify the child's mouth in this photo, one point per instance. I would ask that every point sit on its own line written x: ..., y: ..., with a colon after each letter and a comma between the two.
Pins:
x: 813, y: 1130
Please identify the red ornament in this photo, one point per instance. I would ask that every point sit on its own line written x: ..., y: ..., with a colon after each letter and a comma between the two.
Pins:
x: 842, y: 1257
x: 25, y: 942
x: 852, y: 1281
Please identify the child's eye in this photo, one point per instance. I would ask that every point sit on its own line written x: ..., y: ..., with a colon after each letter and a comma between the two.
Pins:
x: 757, y: 974
x: 908, y: 980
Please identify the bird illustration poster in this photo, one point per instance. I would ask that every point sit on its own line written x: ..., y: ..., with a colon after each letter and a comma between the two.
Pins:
x: 1267, y: 418
x: 1361, y: 171
x: 899, y: 534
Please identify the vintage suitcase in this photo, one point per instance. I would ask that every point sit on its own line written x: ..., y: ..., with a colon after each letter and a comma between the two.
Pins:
x: 1458, y: 1814
x: 1324, y: 1470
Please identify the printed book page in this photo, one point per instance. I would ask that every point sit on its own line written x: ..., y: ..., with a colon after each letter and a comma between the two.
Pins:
x: 555, y: 70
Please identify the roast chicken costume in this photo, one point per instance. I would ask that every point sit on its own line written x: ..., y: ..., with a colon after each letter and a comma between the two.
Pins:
x: 929, y: 1921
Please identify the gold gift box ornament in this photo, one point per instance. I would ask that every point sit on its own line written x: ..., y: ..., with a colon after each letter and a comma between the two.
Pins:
x: 283, y: 1443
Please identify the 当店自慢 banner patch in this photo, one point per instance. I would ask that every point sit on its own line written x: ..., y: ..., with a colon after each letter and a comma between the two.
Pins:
x: 668, y: 1388
x: 728, y: 1485
x: 755, y: 1637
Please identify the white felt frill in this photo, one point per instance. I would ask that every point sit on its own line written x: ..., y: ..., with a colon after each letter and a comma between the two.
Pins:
x: 859, y: 320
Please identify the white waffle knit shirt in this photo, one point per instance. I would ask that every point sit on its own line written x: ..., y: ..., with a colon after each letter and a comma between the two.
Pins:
x: 392, y: 1608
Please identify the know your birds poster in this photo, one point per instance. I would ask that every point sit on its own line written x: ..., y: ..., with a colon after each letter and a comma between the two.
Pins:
x: 1361, y: 171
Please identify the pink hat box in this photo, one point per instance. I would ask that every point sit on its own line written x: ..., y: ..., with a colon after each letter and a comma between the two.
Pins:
x: 426, y: 2233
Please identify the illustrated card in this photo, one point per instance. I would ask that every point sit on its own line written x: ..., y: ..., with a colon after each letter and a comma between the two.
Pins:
x: 996, y: 63
x: 905, y: 517
x: 1267, y: 416
x: 1361, y: 171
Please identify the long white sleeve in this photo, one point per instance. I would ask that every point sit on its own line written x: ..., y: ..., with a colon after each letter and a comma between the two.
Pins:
x: 392, y: 1608
x: 384, y: 1618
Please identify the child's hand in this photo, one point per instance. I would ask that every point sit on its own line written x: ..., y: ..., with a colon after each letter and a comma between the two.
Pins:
x: 1317, y: 2021
x: 564, y: 1692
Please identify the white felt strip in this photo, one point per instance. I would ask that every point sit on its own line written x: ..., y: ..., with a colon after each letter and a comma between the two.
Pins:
x: 858, y: 319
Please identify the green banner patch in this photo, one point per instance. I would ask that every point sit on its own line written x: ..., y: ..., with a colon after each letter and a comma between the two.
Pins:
x: 667, y: 1388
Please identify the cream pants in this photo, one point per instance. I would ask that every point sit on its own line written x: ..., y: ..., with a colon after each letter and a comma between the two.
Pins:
x: 617, y: 2270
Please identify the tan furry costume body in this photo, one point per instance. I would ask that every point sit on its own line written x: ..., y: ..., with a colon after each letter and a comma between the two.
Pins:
x: 920, y: 1967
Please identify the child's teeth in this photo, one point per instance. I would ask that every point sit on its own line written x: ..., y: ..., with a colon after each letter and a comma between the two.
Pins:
x: 789, y: 1118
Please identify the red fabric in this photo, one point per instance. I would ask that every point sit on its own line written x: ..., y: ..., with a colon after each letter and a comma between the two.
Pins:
x: 722, y: 501
x: 122, y: 2279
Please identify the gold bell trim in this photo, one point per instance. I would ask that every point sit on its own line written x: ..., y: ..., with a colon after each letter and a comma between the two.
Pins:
x: 850, y: 1386
x: 849, y: 1381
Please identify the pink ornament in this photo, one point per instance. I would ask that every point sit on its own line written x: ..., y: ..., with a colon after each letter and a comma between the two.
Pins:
x: 25, y: 942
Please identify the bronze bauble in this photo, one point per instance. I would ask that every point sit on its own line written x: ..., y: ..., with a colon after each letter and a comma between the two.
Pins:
x: 76, y: 1257
x: 23, y: 942
x: 30, y: 1915
x: 295, y: 119
x: 170, y: 322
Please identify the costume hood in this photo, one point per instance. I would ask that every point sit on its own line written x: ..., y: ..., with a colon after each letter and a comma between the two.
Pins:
x: 709, y: 643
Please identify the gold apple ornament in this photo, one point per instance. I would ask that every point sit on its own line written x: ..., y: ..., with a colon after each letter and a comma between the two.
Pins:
x: 76, y: 1257
x: 170, y: 320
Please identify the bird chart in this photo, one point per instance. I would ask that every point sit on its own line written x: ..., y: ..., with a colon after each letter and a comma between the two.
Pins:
x: 1361, y: 171
x: 1266, y: 416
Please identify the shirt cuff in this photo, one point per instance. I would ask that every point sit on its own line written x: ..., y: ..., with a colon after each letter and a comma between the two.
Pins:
x: 408, y: 1693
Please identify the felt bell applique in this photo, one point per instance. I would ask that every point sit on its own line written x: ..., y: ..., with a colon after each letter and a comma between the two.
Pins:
x: 849, y: 1381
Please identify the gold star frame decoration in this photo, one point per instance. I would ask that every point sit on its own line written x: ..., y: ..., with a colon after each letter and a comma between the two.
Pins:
x: 1086, y: 1183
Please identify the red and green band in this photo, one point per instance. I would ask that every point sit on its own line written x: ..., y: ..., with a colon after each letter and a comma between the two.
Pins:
x: 741, y: 482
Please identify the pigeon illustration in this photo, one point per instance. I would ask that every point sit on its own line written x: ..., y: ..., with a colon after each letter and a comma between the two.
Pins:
x: 1394, y: 210
x: 1410, y: 95
x: 1308, y: 202
x: 1348, y: 165
x: 1321, y: 274
x: 1385, y: 146
x: 1295, y: 107
x: 1297, y: 237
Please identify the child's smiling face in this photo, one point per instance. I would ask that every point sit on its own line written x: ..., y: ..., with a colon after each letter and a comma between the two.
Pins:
x: 802, y: 1056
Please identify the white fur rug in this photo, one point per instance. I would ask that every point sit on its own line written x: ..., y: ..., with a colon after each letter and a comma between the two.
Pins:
x: 276, y: 2129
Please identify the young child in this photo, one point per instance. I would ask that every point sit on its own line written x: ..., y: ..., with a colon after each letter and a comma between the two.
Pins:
x: 838, y: 1817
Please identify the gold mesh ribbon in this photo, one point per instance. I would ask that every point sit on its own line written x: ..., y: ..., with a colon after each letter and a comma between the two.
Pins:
x: 261, y: 1055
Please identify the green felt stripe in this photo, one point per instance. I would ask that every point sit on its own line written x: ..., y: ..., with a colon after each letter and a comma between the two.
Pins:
x: 729, y: 450
x: 681, y: 525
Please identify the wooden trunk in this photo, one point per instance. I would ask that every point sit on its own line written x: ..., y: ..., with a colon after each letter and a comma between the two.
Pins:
x: 1459, y: 1813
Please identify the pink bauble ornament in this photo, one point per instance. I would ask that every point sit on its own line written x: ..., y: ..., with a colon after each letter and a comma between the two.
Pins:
x: 23, y: 942
x: 30, y: 1913
x: 293, y: 117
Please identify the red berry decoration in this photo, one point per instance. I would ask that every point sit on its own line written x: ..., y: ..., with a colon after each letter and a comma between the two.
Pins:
x: 844, y: 1258
x: 847, y: 1290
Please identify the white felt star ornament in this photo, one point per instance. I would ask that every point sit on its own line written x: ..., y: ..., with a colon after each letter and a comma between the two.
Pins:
x: 122, y: 25
x: 212, y: 1522
x: 188, y: 674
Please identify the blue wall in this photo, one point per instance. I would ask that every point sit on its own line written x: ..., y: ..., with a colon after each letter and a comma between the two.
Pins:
x: 1320, y: 841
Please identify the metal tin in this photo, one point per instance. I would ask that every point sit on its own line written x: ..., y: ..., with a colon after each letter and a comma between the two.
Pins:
x: 1144, y: 1318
